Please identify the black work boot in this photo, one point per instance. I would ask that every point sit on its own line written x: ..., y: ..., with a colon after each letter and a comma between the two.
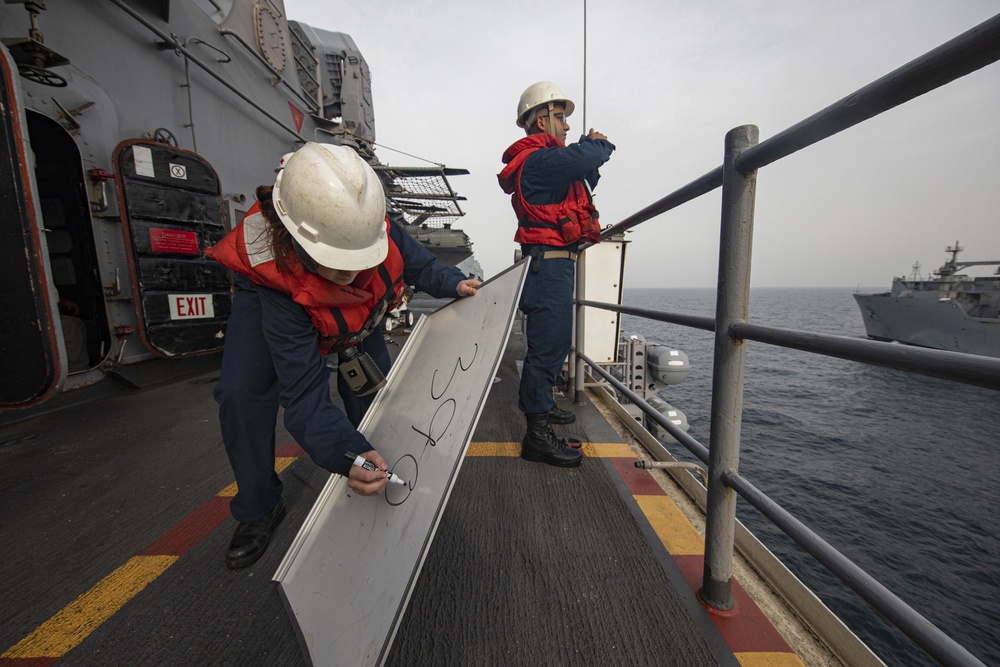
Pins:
x: 557, y: 416
x: 541, y: 444
x: 251, y: 539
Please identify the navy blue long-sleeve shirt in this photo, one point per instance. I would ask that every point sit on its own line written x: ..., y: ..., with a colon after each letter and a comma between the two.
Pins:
x: 548, y: 172
x: 303, y: 380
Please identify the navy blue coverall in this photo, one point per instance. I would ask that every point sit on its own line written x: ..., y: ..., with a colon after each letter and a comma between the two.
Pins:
x: 547, y: 299
x: 272, y: 358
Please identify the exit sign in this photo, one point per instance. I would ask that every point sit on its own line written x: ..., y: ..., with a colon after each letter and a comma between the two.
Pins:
x: 190, y: 306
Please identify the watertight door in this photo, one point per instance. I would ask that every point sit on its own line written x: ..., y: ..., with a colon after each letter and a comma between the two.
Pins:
x: 172, y: 209
x: 29, y: 342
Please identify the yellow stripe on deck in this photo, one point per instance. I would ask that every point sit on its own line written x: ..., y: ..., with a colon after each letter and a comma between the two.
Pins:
x: 280, y: 463
x: 671, y: 526
x: 607, y: 450
x: 762, y: 659
x: 56, y: 636
x: 493, y: 449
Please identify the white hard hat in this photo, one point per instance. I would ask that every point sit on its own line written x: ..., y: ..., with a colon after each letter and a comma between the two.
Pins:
x: 332, y: 204
x: 538, y: 94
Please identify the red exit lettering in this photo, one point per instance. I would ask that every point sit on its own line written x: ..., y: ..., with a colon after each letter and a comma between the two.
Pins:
x: 188, y: 306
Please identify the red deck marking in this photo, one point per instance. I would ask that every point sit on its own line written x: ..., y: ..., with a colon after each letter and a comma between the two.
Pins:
x: 748, y: 630
x: 290, y: 449
x: 638, y: 481
x: 191, y: 529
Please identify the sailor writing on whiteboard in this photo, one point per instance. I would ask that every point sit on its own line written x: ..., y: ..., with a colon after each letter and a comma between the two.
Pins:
x: 550, y: 185
x: 317, y: 266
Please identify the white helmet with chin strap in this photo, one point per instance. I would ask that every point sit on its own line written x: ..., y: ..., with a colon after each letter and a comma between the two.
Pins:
x: 539, y: 94
x: 332, y: 203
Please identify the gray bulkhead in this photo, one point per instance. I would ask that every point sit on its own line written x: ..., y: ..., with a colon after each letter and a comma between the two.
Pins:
x: 211, y: 94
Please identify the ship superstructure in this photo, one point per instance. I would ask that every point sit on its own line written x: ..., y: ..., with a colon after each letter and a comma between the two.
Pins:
x: 949, y: 311
x: 133, y: 135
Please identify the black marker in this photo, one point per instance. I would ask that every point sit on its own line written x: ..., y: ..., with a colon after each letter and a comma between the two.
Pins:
x: 361, y: 462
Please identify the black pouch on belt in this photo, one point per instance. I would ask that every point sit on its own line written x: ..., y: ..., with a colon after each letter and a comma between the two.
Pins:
x: 359, y: 371
x: 536, y: 258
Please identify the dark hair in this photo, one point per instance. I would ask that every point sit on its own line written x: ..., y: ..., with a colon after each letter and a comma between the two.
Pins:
x: 281, y: 242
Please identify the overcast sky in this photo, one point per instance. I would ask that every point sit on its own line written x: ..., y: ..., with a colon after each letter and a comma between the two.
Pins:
x: 665, y: 81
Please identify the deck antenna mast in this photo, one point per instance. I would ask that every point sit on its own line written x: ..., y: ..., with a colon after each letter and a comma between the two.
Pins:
x: 583, y: 126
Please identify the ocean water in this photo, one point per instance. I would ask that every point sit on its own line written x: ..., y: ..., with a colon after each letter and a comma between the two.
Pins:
x: 898, y: 472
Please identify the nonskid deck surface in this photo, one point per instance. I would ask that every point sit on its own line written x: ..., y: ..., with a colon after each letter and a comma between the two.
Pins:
x: 115, y: 523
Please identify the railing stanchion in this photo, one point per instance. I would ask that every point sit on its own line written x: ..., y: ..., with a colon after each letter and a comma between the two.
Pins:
x: 732, y: 306
x: 575, y: 362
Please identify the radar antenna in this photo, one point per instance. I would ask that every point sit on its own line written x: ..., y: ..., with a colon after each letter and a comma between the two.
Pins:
x: 951, y: 267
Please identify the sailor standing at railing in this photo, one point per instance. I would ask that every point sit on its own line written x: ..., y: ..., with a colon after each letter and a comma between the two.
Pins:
x: 550, y: 185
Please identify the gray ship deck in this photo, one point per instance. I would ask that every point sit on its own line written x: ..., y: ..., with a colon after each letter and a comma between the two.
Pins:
x: 115, y: 522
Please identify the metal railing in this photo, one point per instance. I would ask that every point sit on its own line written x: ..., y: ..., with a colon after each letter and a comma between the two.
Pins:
x: 743, y: 156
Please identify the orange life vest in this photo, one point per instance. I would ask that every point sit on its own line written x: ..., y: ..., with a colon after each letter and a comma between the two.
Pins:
x: 342, y: 314
x: 566, y: 222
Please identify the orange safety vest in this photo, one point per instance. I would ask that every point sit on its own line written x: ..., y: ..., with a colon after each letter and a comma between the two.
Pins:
x: 342, y: 314
x: 566, y: 222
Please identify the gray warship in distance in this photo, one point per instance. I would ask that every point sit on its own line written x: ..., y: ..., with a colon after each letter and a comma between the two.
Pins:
x: 950, y: 311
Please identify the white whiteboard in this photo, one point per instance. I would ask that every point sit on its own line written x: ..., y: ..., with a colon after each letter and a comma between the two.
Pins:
x: 348, y: 575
